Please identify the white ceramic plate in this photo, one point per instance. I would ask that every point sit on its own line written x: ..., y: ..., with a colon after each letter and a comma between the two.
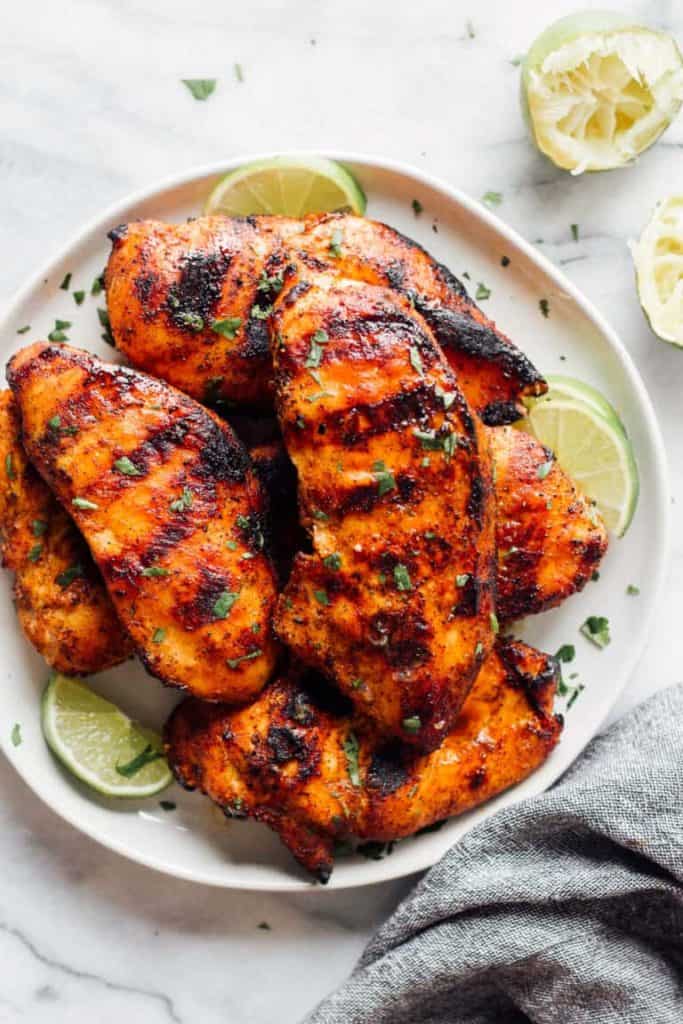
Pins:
x: 195, y: 841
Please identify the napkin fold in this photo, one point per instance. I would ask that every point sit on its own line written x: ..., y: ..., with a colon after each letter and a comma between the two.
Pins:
x: 567, y: 907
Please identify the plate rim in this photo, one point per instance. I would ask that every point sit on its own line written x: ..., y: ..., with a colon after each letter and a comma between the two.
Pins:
x: 384, y: 871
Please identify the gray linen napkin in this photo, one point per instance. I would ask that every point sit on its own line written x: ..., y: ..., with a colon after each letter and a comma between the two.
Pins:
x: 565, y: 908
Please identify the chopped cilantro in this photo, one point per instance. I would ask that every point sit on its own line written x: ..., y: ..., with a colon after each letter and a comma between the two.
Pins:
x: 482, y: 292
x: 66, y: 578
x: 16, y: 735
x: 97, y: 285
x: 66, y: 283
x: 159, y: 635
x: 315, y: 351
x: 138, y: 762
x: 155, y: 570
x: 125, y: 466
x: 79, y: 296
x: 596, y: 629
x: 321, y: 597
x: 384, y: 477
x: 566, y: 653
x: 350, y: 748
x: 479, y: 649
x: 416, y: 360
x: 224, y: 603
x: 318, y: 514
x: 575, y: 232
x: 402, y: 577
x: 85, y: 504
x: 38, y: 527
x: 335, y: 244
x: 495, y: 625
x: 103, y: 316
x: 24, y: 329
x: 333, y: 562
x: 461, y: 579
x: 492, y: 198
x: 412, y: 724
x: 35, y: 552
x: 578, y: 690
x: 235, y: 662
x: 193, y: 321
x: 9, y: 467
x: 357, y: 684
x: 318, y: 395
x: 632, y: 589
x: 543, y: 470
x: 167, y: 805
x: 239, y: 73
x: 201, y: 88
x: 417, y: 207
x: 183, y: 502
x: 544, y: 306
x: 260, y: 312
x: 227, y: 327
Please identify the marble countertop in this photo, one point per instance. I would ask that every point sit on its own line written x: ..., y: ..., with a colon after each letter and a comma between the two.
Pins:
x: 92, y: 109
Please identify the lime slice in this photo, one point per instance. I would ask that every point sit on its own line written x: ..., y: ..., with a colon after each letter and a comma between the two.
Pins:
x: 597, y: 90
x: 560, y: 386
x: 99, y: 744
x: 291, y: 186
x: 594, y: 451
x: 658, y: 259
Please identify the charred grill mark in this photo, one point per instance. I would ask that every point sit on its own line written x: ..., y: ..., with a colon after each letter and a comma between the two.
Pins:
x: 387, y: 772
x: 404, y: 637
x: 192, y: 299
x: 324, y: 696
x: 499, y: 414
x: 117, y: 234
x: 534, y: 683
x: 351, y: 426
x: 454, y: 285
x: 256, y: 340
x: 198, y: 611
x: 222, y: 457
x: 144, y: 285
x: 477, y: 778
x: 297, y: 292
x: 395, y: 274
x: 457, y: 331
x: 365, y: 497
x: 467, y: 599
x: 285, y: 744
x: 476, y: 503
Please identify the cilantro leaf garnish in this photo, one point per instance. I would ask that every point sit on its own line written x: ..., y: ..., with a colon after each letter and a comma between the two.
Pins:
x: 596, y: 629
x: 227, y: 327
x: 351, y: 750
x: 201, y: 88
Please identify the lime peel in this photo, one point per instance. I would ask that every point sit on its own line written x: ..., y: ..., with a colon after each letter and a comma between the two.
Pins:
x: 99, y: 744
x: 593, y: 448
x: 658, y: 260
x: 291, y: 186
x: 598, y: 90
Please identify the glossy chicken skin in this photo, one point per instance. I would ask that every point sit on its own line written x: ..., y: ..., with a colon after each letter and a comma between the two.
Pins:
x: 164, y: 495
x: 168, y: 284
x: 300, y: 765
x: 61, y: 601
x: 396, y: 602
x: 550, y: 538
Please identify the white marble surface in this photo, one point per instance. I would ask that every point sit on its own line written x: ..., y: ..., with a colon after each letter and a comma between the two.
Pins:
x: 92, y: 108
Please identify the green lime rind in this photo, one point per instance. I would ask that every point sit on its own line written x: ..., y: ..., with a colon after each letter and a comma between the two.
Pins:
x: 661, y: 246
x: 288, y: 186
x: 91, y: 737
x: 570, y: 30
x: 562, y: 386
x: 594, y: 450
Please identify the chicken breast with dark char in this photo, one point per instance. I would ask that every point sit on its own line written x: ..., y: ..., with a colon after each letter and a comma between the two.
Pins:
x: 165, y: 496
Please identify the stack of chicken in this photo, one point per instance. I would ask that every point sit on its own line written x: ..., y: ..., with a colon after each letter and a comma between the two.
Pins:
x: 306, y: 508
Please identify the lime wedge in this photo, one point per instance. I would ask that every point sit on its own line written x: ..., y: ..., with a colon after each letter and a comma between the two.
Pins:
x: 658, y: 259
x: 594, y: 451
x: 291, y: 186
x: 560, y: 386
x: 597, y: 90
x: 99, y: 744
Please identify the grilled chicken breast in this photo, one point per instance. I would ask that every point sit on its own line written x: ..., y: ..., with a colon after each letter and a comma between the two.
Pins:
x: 164, y: 495
x: 298, y: 763
x: 396, y: 602
x: 62, y: 603
x: 189, y: 303
x: 550, y: 538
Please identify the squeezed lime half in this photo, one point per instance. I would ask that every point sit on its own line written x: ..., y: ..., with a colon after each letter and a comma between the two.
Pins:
x: 599, y: 89
x: 658, y: 259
